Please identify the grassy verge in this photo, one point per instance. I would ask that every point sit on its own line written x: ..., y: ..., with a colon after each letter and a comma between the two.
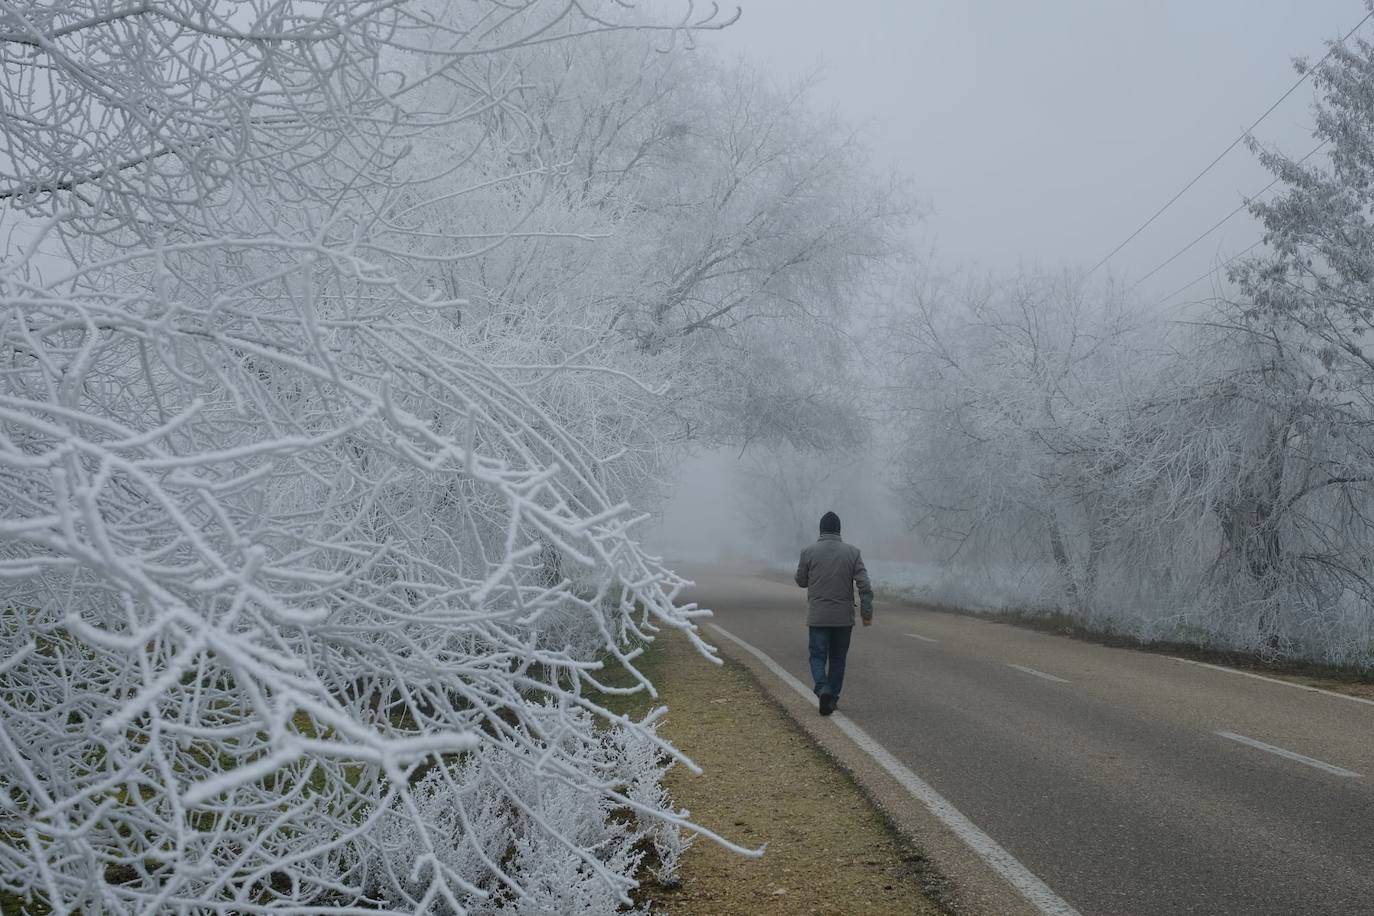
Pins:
x: 829, y: 850
x: 14, y: 905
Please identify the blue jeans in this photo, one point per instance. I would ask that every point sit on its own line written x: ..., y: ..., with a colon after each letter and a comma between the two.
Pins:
x: 829, y: 646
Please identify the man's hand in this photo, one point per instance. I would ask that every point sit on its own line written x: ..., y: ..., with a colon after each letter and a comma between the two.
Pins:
x: 868, y: 621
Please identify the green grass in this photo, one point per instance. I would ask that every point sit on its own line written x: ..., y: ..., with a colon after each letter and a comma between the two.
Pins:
x: 634, y: 706
x: 15, y: 905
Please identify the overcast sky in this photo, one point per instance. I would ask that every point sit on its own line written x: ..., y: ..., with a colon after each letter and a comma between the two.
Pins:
x: 1046, y: 132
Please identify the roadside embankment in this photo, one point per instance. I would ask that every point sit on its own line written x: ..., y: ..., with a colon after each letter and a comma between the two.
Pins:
x: 830, y: 851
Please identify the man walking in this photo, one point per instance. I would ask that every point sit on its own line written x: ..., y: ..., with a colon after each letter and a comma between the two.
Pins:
x: 829, y: 570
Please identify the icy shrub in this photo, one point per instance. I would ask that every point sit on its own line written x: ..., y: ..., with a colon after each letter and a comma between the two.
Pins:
x: 259, y: 577
x: 644, y: 764
x: 520, y: 834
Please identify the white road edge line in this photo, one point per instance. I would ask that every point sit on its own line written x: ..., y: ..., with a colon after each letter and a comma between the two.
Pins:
x: 1274, y: 680
x: 1036, y: 892
x: 1031, y: 671
x: 1291, y: 755
x: 922, y: 638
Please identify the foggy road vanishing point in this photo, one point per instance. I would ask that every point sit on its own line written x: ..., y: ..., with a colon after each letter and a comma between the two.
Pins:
x: 1095, y: 780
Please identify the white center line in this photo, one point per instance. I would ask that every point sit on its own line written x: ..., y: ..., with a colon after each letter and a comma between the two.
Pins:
x: 1049, y: 677
x: 1274, y: 680
x: 1035, y: 891
x: 922, y: 638
x: 1291, y: 755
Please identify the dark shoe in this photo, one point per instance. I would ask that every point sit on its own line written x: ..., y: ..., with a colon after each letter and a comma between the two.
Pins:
x: 827, y: 704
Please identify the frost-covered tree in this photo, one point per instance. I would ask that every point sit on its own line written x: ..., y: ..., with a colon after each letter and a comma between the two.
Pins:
x: 281, y: 628
x: 1205, y: 479
x: 1178, y: 480
x: 1232, y: 456
x: 739, y: 234
x: 1009, y: 398
x: 1202, y: 479
x: 783, y: 492
x: 1307, y: 521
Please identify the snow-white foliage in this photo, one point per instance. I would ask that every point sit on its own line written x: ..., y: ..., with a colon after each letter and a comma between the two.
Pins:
x: 535, y: 821
x: 285, y: 542
x: 265, y: 552
x: 1009, y: 395
x: 1202, y: 481
x: 742, y: 232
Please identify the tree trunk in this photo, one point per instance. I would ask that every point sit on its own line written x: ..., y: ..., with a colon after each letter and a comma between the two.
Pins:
x: 1061, y: 559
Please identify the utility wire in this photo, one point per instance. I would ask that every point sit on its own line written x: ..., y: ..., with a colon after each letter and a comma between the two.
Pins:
x: 1220, y: 267
x: 1221, y: 222
x: 1234, y: 143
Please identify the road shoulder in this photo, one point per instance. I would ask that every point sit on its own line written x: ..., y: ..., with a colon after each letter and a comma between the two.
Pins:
x: 830, y: 851
x: 951, y: 873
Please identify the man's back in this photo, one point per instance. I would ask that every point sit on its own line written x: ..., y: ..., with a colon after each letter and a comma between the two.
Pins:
x: 829, y: 570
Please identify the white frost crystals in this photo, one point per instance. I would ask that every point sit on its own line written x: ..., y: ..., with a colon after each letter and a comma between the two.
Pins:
x: 287, y: 563
x: 259, y: 563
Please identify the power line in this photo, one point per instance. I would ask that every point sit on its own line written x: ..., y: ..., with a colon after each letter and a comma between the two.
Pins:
x: 1234, y: 143
x: 1233, y: 258
x: 1215, y: 270
x: 1221, y: 222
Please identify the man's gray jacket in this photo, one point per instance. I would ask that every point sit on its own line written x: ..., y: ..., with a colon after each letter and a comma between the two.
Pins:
x: 829, y: 569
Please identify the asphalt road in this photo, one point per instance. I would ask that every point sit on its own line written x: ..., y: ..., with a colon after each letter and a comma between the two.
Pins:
x: 1127, y: 782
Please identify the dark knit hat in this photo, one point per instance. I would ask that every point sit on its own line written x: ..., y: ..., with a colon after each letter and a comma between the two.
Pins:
x: 830, y: 523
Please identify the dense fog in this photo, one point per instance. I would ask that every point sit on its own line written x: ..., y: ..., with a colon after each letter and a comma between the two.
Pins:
x: 1156, y: 451
x: 365, y: 372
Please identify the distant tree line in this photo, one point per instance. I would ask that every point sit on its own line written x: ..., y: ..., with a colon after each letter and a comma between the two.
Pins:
x: 1205, y: 475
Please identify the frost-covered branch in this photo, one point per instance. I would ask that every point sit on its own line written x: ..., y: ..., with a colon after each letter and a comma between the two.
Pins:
x: 309, y: 587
